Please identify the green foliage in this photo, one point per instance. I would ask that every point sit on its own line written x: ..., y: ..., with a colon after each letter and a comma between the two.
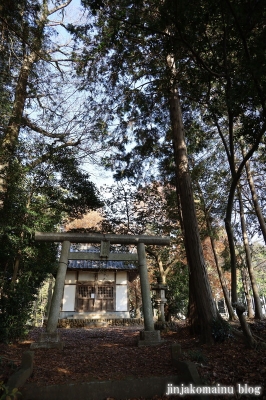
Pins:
x: 197, y: 356
x: 177, y: 292
x: 18, y: 289
x: 42, y: 302
x: 37, y: 200
x: 17, y: 297
x: 259, y: 264
x: 221, y: 330
x: 7, y: 394
x: 11, y: 363
x: 218, y: 49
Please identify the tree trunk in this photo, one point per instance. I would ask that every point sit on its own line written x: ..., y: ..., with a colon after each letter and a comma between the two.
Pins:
x: 206, y: 308
x: 9, y: 142
x: 255, y: 290
x: 32, y: 50
x: 162, y: 270
x: 221, y: 275
x: 230, y: 236
x: 247, y: 292
x: 16, y: 267
x: 240, y: 309
x: 255, y: 199
x: 219, y: 269
x: 192, y: 311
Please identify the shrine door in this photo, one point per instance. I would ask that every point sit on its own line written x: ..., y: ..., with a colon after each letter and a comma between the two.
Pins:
x: 95, y: 297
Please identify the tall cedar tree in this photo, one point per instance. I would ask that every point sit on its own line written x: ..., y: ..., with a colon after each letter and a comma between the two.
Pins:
x: 218, y: 54
x: 131, y: 56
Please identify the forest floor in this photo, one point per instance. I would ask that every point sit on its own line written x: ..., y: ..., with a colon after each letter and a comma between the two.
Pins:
x: 111, y: 354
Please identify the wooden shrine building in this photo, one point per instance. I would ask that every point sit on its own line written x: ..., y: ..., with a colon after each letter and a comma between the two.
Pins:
x: 96, y: 288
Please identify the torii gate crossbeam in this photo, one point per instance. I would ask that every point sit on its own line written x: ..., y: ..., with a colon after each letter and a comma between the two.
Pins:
x: 98, y: 238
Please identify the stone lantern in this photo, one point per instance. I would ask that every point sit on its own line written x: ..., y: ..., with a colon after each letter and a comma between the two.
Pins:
x: 160, y: 299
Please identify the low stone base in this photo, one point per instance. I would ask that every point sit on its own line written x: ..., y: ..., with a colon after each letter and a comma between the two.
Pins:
x: 19, y: 378
x: 83, y: 322
x: 97, y: 324
x: 48, y: 341
x: 149, y: 338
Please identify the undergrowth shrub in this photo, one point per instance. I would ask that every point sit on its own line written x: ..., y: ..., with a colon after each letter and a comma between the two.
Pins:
x: 8, y: 394
x: 221, y: 330
x: 197, y: 356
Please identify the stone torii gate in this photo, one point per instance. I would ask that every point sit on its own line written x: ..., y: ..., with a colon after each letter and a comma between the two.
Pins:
x: 149, y: 336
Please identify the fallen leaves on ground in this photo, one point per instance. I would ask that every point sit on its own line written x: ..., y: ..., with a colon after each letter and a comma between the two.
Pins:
x: 112, y: 354
x: 99, y: 354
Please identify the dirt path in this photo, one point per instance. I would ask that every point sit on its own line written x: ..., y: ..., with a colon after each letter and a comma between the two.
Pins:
x: 112, y: 353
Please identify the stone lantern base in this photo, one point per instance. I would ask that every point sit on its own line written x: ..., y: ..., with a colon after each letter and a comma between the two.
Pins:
x: 149, y: 338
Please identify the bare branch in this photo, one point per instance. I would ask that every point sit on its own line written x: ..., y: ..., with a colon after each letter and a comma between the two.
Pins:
x: 26, y: 122
x: 47, y: 156
x: 55, y: 9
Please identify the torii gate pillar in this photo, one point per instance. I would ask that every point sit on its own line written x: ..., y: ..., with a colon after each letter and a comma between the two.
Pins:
x: 51, y: 338
x: 58, y: 289
x: 149, y: 336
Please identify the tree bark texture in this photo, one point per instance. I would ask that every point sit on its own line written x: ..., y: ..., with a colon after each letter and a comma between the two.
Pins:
x: 240, y: 309
x: 255, y: 290
x: 32, y: 52
x: 200, y: 284
x: 247, y: 292
x: 231, y: 242
x: 11, y: 134
x: 219, y: 269
x: 257, y: 207
x: 220, y: 274
x: 192, y: 314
